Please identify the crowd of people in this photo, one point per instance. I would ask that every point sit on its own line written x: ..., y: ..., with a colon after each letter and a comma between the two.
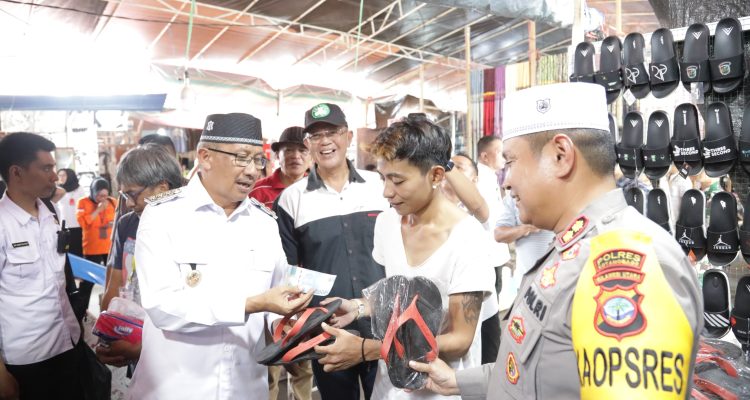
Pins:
x: 600, y: 287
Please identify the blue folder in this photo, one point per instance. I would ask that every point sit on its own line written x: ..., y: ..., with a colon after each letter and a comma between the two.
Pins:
x: 87, y: 270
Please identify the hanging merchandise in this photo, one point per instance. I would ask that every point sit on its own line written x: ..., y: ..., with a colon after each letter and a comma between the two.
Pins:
x: 690, y: 222
x: 636, y: 76
x: 694, y: 67
x: 686, y: 140
x: 610, y: 68
x: 656, y: 155
x: 728, y: 61
x: 719, y: 146
x: 629, y: 155
x: 665, y: 72
x: 583, y: 63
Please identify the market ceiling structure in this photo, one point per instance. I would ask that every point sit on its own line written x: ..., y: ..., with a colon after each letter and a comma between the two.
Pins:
x: 396, y: 36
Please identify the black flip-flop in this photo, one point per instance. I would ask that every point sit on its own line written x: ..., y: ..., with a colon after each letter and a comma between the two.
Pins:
x: 744, y: 142
x: 694, y: 66
x: 583, y: 63
x: 656, y: 155
x: 310, y: 320
x: 305, y: 349
x: 689, y: 226
x: 686, y: 139
x: 728, y: 61
x: 610, y: 67
x: 629, y: 149
x: 740, y: 319
x: 745, y: 232
x: 719, y: 146
x: 636, y: 76
x: 613, y: 128
x: 634, y: 197
x: 715, y: 304
x: 665, y: 71
x: 411, y: 333
x: 657, y: 208
x: 721, y: 236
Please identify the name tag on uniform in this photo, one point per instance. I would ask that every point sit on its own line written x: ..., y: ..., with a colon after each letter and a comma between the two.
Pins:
x: 20, y: 244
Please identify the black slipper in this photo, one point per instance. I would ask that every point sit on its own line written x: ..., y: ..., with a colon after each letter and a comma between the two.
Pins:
x: 411, y: 332
x: 305, y: 349
x: 721, y: 235
x: 636, y: 76
x: 613, y: 128
x: 657, y: 208
x: 689, y: 226
x: 740, y: 319
x: 715, y: 304
x: 665, y: 72
x: 583, y: 63
x: 745, y: 232
x: 656, y: 155
x: 610, y: 67
x: 634, y: 198
x: 728, y: 61
x: 629, y: 149
x: 309, y: 321
x: 694, y: 66
x: 686, y: 139
x: 719, y: 147
x: 744, y: 142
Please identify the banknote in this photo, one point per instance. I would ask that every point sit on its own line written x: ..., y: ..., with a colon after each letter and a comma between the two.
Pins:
x: 308, y: 280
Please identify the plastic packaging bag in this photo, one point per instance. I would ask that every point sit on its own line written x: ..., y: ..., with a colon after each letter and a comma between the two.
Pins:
x: 122, y: 321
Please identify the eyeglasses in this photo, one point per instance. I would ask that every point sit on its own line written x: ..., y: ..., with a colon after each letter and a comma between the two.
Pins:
x: 329, y: 134
x: 130, y: 195
x: 240, y: 161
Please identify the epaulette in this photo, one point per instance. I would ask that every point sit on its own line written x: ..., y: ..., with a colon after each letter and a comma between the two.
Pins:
x: 262, y: 207
x: 163, y: 197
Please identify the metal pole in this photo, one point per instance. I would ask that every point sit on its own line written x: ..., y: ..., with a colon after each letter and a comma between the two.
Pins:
x: 468, y: 135
x: 532, y: 53
x: 421, y: 87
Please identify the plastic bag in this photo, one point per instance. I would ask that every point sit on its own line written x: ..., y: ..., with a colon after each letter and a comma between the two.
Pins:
x: 721, y: 370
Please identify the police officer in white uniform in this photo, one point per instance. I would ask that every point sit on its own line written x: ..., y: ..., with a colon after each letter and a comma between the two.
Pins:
x: 208, y: 261
x: 613, y: 309
x: 38, y: 331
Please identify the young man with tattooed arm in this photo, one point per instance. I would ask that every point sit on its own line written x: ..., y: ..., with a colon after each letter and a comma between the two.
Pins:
x: 422, y: 234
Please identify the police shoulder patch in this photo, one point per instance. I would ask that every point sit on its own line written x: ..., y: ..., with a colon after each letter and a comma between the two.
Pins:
x: 163, y: 197
x: 263, y: 208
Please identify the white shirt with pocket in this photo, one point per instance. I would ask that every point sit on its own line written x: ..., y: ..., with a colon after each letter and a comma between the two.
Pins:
x: 36, y: 321
x: 198, y: 343
x: 459, y: 265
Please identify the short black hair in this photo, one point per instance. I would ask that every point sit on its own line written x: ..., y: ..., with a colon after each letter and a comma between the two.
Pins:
x: 415, y: 139
x: 484, y: 143
x: 597, y: 147
x: 21, y: 149
x: 161, y: 140
x: 473, y: 163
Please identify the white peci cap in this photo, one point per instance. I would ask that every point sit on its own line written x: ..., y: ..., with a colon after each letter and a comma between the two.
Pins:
x: 553, y: 107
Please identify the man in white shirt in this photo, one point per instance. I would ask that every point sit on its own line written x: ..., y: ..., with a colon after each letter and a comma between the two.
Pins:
x: 208, y: 262
x: 38, y: 332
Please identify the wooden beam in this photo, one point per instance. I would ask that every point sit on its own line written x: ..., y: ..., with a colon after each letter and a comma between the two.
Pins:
x: 532, y: 52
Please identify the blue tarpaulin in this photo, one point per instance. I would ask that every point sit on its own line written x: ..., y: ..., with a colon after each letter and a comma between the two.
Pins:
x: 87, y: 270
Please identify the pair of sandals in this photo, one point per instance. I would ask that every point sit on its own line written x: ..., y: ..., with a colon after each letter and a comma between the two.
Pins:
x: 407, y: 319
x: 717, y: 372
x: 718, y: 320
x: 610, y: 66
x: 295, y: 340
x: 725, y: 70
x: 721, y: 241
x: 655, y: 206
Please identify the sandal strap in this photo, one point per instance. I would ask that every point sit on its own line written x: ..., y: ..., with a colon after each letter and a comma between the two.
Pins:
x: 744, y: 153
x: 635, y: 74
x: 588, y: 78
x: 728, y: 241
x: 411, y: 313
x: 611, y: 80
x: 305, y: 346
x: 695, y: 71
x: 656, y: 158
x: 664, y: 71
x: 686, y: 150
x: 719, y: 150
x: 301, y: 322
x: 691, y: 237
x: 628, y: 156
x: 728, y: 68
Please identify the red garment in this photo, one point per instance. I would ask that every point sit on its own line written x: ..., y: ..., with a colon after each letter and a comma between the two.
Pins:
x: 266, y: 190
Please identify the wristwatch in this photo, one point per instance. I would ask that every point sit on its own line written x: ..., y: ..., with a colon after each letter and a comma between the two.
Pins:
x: 360, y: 308
x: 449, y: 166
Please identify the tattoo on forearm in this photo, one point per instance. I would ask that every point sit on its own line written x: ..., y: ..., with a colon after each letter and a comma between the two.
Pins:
x: 472, y: 304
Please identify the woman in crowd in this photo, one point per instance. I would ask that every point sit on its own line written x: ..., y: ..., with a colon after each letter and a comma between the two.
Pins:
x: 422, y: 234
x: 96, y: 215
x: 68, y: 205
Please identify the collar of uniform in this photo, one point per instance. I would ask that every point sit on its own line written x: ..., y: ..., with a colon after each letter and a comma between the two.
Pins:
x: 314, y: 182
x: 198, y: 194
x: 607, y: 204
x: 20, y: 214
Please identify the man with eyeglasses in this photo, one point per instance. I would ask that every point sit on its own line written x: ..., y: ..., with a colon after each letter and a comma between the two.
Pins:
x: 143, y: 172
x: 327, y: 223
x: 208, y: 271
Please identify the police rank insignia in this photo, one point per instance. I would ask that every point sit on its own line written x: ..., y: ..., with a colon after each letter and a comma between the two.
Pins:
x: 163, y: 196
x: 263, y: 208
x: 517, y: 329
x: 618, y: 274
x: 574, y: 230
x: 571, y: 253
x: 548, y: 276
x: 511, y: 369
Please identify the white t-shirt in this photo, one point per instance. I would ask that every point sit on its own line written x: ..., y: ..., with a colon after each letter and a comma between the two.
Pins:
x: 459, y: 265
x: 68, y: 205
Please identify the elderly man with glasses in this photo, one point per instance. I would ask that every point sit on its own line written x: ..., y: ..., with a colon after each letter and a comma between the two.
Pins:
x: 327, y: 223
x: 208, y: 272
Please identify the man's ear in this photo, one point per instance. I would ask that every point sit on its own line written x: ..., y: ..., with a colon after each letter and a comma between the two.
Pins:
x: 204, y: 158
x: 564, y: 153
x: 436, y: 175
